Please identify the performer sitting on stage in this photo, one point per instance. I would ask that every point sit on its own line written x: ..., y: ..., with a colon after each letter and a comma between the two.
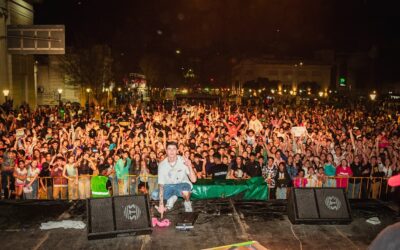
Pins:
x: 175, y: 177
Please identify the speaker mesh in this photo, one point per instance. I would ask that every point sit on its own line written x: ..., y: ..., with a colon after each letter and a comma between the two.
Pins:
x: 130, y: 212
x: 101, y: 215
x: 332, y: 203
x: 306, y: 207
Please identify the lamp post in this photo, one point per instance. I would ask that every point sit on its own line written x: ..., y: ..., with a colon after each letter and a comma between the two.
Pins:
x: 6, y: 92
x: 88, y: 90
x: 108, y: 97
x: 59, y: 96
x: 373, y: 96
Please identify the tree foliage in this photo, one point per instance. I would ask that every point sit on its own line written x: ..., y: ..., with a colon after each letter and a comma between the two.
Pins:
x: 160, y: 71
x: 90, y: 68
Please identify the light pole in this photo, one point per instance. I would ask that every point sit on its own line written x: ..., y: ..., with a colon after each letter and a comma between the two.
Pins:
x: 372, y: 96
x: 59, y: 96
x: 119, y: 96
x: 88, y: 90
x: 6, y: 92
x: 108, y: 97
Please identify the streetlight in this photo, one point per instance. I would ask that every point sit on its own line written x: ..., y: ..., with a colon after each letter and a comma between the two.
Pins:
x: 88, y: 90
x: 108, y: 96
x: 59, y: 96
x: 6, y: 92
x: 373, y: 96
x: 177, y: 51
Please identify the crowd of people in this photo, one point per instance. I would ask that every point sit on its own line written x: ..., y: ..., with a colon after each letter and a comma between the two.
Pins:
x: 50, y: 154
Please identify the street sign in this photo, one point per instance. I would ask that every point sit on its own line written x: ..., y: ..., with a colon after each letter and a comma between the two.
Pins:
x: 36, y: 39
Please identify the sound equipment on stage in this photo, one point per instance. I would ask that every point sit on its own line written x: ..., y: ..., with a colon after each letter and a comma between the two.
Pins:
x: 186, y: 221
x: 118, y: 216
x: 319, y: 206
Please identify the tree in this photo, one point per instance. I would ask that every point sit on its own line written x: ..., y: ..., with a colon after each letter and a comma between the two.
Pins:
x: 160, y: 71
x: 90, y: 68
x: 151, y: 66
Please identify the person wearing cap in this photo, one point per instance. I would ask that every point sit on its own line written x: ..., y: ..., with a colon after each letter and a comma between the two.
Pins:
x: 199, y: 165
x: 175, y: 178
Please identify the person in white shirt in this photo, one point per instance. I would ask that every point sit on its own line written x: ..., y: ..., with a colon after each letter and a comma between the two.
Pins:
x: 255, y: 124
x: 175, y: 178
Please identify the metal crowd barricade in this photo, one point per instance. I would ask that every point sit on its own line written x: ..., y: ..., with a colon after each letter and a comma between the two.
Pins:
x: 356, y: 187
x: 125, y: 186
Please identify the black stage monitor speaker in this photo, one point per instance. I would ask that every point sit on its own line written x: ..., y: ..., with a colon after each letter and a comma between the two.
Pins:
x: 118, y: 216
x: 319, y: 206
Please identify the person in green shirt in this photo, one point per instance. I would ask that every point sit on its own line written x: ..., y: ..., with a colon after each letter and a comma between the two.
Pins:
x: 122, y: 165
x: 330, y: 171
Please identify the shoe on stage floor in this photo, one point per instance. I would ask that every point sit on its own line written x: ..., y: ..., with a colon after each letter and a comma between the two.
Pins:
x: 171, y: 201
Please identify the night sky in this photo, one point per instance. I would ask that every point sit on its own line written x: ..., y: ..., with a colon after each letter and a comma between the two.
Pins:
x: 229, y: 29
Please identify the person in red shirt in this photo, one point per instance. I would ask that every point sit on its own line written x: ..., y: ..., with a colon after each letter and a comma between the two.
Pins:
x: 232, y: 128
x: 299, y: 181
x: 343, y: 172
x: 60, y: 183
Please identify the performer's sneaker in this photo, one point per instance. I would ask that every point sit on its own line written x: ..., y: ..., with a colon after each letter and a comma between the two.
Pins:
x: 171, y: 201
x: 188, y: 206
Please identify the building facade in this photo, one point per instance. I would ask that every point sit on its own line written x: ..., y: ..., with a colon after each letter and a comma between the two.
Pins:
x: 287, y: 73
x: 51, y: 78
x: 16, y: 71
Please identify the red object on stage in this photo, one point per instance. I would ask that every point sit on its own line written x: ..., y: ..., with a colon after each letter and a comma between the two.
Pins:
x: 394, y: 181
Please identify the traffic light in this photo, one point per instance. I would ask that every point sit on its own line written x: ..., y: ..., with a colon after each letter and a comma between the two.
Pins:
x: 342, y: 81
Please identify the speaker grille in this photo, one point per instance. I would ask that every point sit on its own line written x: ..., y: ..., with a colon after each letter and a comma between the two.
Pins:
x: 130, y: 212
x: 101, y: 215
x: 305, y: 201
x: 332, y: 203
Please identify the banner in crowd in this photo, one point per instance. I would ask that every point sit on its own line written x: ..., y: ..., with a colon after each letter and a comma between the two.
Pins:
x: 298, y: 131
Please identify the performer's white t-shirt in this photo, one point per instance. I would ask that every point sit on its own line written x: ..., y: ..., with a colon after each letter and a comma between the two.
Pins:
x: 168, y: 174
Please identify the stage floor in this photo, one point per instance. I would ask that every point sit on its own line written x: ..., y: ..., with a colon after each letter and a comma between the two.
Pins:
x: 221, y: 222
